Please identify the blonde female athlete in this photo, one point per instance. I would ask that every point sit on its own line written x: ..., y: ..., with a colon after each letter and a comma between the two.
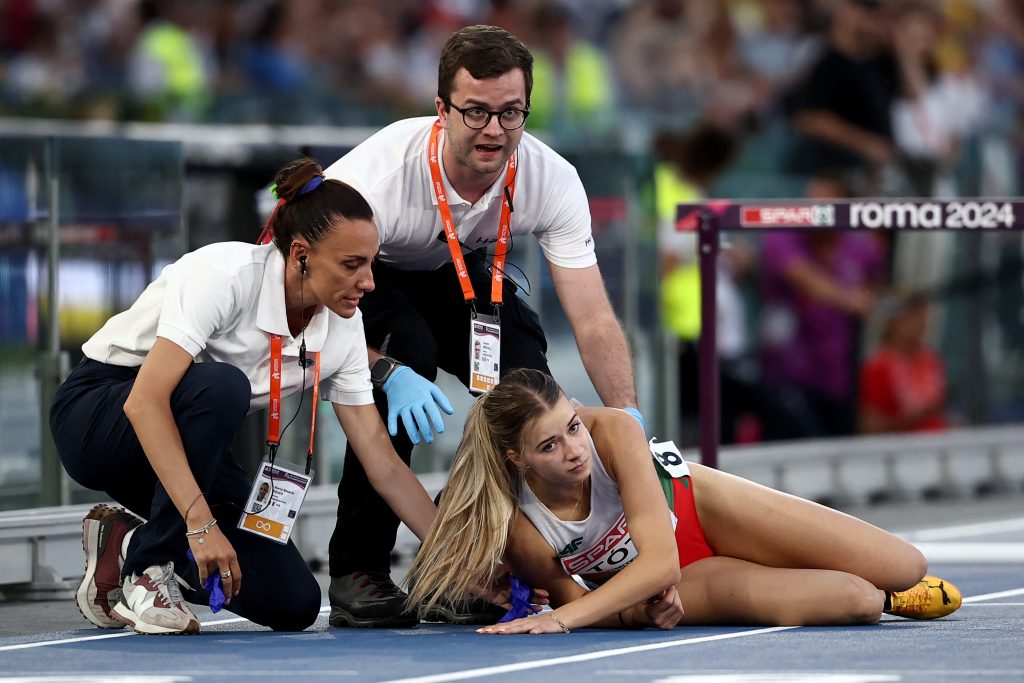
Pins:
x: 556, y: 489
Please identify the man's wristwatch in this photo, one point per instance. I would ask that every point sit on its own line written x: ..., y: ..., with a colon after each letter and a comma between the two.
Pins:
x: 381, y: 370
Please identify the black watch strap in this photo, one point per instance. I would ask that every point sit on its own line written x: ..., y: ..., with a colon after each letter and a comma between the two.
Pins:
x: 381, y: 370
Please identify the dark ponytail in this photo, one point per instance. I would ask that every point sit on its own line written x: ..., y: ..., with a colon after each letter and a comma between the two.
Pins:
x: 309, y: 205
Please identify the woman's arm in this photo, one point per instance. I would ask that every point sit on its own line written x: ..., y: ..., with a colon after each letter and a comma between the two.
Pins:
x: 148, y: 408
x: 388, y: 475
x: 652, y: 576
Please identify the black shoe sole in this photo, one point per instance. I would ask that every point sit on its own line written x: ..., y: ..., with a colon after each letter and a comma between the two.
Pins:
x: 343, y: 619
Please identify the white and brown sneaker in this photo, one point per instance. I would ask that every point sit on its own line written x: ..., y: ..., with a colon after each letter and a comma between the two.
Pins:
x: 152, y: 603
x: 104, y: 531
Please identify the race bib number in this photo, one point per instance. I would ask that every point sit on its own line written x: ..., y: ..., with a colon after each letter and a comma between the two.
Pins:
x: 667, y: 455
x: 274, y: 500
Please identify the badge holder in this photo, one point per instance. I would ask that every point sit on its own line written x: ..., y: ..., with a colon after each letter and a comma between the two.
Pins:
x: 484, y: 352
x: 275, y: 499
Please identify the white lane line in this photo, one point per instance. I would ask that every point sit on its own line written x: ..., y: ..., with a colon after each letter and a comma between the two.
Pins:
x: 994, y: 596
x: 996, y: 553
x: 570, y: 659
x: 118, y: 634
x: 964, y: 530
x: 997, y: 604
x: 64, y: 641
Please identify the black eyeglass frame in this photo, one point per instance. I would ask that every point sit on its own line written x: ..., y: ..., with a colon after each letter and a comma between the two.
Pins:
x: 490, y: 115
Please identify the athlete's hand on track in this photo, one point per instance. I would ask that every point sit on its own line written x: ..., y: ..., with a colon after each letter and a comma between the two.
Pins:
x: 664, y: 610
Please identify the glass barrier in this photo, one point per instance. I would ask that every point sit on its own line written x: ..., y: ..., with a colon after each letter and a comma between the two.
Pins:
x: 85, y: 224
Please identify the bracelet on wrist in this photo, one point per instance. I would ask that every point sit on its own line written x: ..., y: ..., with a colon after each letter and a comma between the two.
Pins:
x: 200, y: 533
x: 565, y: 629
x: 194, y: 501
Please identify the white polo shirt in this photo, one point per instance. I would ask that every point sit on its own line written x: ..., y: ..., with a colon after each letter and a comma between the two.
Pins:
x: 391, y: 171
x: 221, y: 303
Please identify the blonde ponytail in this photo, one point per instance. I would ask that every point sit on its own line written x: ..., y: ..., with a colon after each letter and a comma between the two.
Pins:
x: 479, y: 503
x: 474, y: 517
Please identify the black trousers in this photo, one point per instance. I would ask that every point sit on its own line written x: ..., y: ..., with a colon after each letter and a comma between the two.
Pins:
x: 424, y: 318
x: 100, y: 450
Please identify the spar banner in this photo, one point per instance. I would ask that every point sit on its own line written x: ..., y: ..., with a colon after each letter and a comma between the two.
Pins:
x: 868, y: 214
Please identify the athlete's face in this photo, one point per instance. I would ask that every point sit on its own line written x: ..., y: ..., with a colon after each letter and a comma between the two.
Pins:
x: 481, y: 151
x: 556, y: 446
x: 338, y: 266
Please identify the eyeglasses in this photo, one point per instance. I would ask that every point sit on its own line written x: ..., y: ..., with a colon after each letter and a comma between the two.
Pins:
x: 477, y: 118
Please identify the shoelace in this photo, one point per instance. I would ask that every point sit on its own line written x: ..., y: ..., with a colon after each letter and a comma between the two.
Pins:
x: 168, y: 580
x: 919, y: 598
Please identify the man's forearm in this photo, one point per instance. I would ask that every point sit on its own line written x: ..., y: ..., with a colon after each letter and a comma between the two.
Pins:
x: 605, y: 355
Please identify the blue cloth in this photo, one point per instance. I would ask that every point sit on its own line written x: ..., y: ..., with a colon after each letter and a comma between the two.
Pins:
x: 213, y: 587
x: 416, y: 399
x: 520, y: 599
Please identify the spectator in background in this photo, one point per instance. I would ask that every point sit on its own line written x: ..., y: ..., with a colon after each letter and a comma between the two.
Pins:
x: 651, y: 55
x: 936, y: 109
x: 573, y: 87
x: 818, y: 286
x: 842, y: 111
x: 782, y: 46
x: 690, y: 163
x: 903, y: 383
x: 169, y: 76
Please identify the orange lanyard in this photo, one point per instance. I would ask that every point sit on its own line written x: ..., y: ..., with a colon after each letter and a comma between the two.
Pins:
x: 274, y: 428
x: 504, y: 223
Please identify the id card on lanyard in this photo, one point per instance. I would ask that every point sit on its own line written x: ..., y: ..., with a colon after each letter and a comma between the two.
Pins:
x: 484, y: 330
x: 279, y: 489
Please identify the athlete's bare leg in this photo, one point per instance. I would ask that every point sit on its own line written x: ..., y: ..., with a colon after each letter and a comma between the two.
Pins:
x: 747, y: 521
x: 724, y: 590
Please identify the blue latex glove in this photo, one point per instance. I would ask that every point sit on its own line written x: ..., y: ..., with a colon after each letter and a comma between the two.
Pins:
x: 417, y: 400
x: 637, y: 416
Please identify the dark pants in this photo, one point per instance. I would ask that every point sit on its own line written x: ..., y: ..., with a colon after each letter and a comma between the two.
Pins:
x: 425, y: 320
x: 100, y: 450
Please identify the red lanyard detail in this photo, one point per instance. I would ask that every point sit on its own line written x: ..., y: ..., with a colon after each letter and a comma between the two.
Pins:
x: 450, y: 233
x: 274, y: 427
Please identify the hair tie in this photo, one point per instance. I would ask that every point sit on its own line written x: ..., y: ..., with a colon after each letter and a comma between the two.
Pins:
x: 313, y: 183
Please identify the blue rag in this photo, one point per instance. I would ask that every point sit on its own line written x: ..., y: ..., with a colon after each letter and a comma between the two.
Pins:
x: 520, y: 599
x: 213, y: 587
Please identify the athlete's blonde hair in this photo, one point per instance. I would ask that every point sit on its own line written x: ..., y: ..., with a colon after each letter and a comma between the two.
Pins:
x: 480, y: 501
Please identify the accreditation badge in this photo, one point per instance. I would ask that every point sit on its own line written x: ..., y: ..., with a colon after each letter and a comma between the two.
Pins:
x: 274, y: 500
x: 484, y: 353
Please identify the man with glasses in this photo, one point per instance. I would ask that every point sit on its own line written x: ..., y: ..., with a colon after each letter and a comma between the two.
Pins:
x: 449, y: 197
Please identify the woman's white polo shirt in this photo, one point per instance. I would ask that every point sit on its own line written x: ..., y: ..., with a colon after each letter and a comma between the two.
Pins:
x: 221, y: 303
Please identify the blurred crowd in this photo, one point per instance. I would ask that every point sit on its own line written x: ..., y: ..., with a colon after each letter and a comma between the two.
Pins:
x: 875, y: 97
x: 730, y: 61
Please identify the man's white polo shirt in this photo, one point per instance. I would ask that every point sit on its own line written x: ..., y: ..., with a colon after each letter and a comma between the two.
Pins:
x: 390, y: 169
x: 221, y: 303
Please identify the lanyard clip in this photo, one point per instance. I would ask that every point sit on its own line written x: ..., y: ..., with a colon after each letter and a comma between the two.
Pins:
x: 309, y: 461
x: 273, y: 449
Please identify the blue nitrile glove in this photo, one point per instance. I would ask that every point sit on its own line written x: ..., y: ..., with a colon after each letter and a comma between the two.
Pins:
x: 414, y: 398
x: 636, y: 416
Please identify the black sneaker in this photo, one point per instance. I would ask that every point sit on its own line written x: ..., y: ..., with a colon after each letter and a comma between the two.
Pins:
x: 368, y: 600
x: 464, y: 611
